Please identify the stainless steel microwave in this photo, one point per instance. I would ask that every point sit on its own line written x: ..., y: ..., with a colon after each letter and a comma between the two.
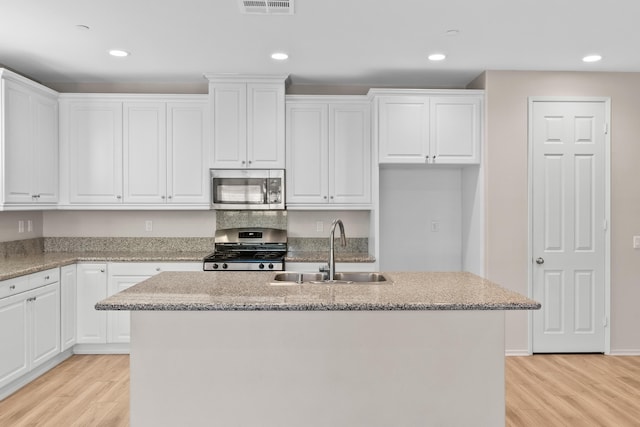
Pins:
x: 243, y: 189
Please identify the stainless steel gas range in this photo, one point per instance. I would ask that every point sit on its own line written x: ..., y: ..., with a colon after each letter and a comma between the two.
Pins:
x: 247, y: 249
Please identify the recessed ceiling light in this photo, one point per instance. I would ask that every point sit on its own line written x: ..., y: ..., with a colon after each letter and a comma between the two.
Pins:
x: 119, y: 53
x: 279, y: 56
x: 437, y: 57
x: 592, y: 58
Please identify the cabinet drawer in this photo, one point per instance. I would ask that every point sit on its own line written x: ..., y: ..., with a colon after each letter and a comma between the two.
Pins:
x: 14, y: 286
x: 44, y: 278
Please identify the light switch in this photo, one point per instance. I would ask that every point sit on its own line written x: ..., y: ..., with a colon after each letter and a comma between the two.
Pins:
x: 20, y: 226
x: 636, y: 242
x: 148, y: 225
x: 435, y: 226
x: 319, y: 226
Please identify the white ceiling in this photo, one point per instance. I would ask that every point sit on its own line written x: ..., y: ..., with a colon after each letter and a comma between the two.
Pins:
x: 351, y: 42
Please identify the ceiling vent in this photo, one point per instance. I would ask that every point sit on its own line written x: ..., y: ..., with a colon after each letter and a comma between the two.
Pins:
x: 266, y: 7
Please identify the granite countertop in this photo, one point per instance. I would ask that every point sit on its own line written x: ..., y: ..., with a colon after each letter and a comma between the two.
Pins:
x: 22, y: 265
x: 322, y: 256
x: 246, y: 291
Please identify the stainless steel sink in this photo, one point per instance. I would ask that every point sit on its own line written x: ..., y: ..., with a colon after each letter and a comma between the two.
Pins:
x: 299, y: 277
x: 361, y: 278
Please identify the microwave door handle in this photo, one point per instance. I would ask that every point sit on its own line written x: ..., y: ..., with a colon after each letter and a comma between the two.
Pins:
x: 265, y: 192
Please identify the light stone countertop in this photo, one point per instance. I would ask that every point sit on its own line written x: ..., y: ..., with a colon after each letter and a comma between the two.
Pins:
x: 20, y: 266
x: 250, y: 291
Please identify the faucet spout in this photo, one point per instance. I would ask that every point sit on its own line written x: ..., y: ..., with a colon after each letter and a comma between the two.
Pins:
x: 343, y: 242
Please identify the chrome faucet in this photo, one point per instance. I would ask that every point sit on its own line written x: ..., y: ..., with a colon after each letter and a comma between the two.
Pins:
x: 343, y: 242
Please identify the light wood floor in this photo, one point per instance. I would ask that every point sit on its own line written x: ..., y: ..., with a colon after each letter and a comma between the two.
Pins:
x: 542, y: 390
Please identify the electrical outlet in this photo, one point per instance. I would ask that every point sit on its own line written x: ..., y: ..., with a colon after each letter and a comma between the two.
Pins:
x: 435, y: 226
x: 29, y: 226
x: 148, y: 225
x: 636, y: 242
x: 319, y: 226
x: 20, y: 226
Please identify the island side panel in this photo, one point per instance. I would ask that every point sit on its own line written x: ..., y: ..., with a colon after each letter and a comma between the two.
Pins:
x: 317, y: 368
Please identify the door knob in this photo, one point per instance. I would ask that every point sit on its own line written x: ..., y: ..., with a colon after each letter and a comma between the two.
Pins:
x: 539, y: 260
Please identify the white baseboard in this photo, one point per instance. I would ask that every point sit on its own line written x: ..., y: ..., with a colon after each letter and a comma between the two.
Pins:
x: 509, y: 353
x: 18, y: 383
x: 629, y: 352
x: 101, y: 348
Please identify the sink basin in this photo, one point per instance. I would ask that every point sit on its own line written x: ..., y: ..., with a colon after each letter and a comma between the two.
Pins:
x: 291, y: 278
x: 299, y: 277
x: 361, y: 277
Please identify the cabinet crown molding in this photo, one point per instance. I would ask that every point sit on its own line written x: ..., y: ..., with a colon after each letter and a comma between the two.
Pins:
x: 426, y: 92
x: 246, y: 78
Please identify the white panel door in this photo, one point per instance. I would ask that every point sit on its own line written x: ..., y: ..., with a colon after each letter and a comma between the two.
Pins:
x: 45, y: 309
x: 14, y: 350
x: 187, y: 170
x: 95, y: 152
x: 349, y: 153
x: 45, y: 154
x: 403, y: 126
x: 265, y: 126
x: 229, y: 125
x: 119, y: 322
x: 92, y: 287
x: 307, y: 153
x: 19, y: 144
x: 455, y: 130
x: 68, y: 306
x: 145, y: 152
x: 568, y: 147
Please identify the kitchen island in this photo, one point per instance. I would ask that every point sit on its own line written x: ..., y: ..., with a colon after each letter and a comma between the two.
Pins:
x: 235, y: 349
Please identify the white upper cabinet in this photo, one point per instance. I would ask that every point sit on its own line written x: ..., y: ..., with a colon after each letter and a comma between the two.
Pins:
x: 188, y: 153
x: 427, y: 126
x: 29, y: 140
x: 135, y: 151
x: 328, y: 152
x: 403, y: 129
x: 91, y: 131
x: 455, y: 132
x: 145, y: 153
x: 247, y: 121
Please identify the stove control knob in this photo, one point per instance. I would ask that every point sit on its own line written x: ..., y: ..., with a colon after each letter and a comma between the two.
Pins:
x: 215, y: 266
x: 270, y: 266
x: 261, y: 266
x: 225, y: 266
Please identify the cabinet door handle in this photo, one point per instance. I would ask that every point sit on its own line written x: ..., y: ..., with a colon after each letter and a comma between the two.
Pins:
x: 331, y: 197
x: 157, y: 268
x: 46, y: 277
x: 170, y: 197
x: 118, y: 197
x: 243, y: 162
x: 249, y: 161
x: 102, y: 270
x: 324, y: 197
x: 162, y: 197
x: 12, y: 287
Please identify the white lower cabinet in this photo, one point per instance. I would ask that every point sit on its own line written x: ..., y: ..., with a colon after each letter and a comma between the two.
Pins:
x: 29, y: 323
x: 92, y: 287
x: 14, y: 360
x: 98, y: 281
x: 68, y: 306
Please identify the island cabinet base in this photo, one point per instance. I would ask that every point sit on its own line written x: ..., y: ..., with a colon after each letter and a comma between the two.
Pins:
x: 317, y: 368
